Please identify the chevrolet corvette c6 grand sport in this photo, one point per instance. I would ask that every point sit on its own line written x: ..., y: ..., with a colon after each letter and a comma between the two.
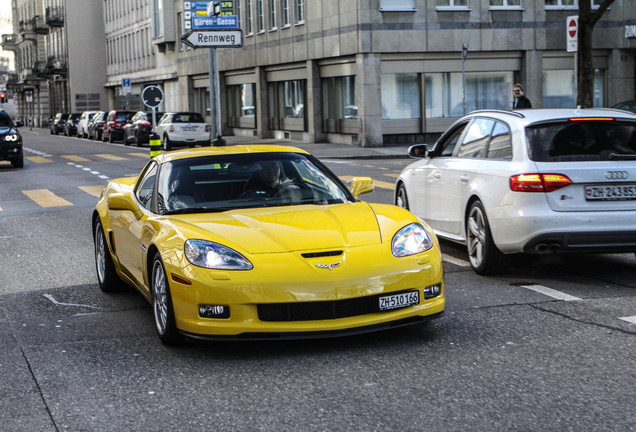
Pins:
x: 251, y: 242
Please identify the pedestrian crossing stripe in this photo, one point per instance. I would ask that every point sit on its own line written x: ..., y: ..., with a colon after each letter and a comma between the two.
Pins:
x: 76, y: 158
x: 110, y: 157
x: 143, y: 155
x: 96, y: 191
x: 39, y: 159
x: 46, y: 198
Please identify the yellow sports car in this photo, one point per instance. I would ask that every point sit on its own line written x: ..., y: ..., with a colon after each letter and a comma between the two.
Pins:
x: 251, y: 242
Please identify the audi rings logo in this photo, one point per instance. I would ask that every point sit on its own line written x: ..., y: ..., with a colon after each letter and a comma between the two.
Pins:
x: 616, y: 175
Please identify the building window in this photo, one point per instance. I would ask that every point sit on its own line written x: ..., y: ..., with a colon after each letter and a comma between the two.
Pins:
x: 156, y: 19
x: 339, y: 102
x: 248, y: 18
x: 397, y: 5
x: 569, y: 4
x: 559, y: 88
x: 451, y: 4
x: 260, y: 16
x: 400, y: 96
x: 505, y: 4
x: 273, y: 23
x: 242, y: 105
x: 286, y: 12
x: 484, y: 90
x: 287, y: 105
x: 299, y: 5
x: 238, y: 11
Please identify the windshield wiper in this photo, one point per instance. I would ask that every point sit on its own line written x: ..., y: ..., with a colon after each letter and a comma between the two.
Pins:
x: 198, y: 210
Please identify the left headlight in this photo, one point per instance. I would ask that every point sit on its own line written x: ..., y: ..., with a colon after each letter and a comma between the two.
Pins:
x: 212, y: 255
x: 411, y: 240
x: 12, y: 137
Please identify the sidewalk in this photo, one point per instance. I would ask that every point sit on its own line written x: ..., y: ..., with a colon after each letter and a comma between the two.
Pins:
x: 323, y: 150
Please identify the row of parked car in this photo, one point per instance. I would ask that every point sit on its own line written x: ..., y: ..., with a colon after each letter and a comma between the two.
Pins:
x: 134, y: 127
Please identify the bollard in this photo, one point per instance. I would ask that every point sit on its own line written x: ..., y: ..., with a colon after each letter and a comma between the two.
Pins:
x: 219, y: 141
x: 155, y: 145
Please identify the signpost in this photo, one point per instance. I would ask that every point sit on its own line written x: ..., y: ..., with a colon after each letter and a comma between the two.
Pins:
x: 152, y: 96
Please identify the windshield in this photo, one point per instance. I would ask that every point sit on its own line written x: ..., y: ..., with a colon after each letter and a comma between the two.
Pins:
x: 228, y: 182
x: 591, y: 140
x: 187, y: 118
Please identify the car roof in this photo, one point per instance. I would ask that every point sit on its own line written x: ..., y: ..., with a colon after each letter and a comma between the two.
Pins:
x: 226, y: 150
x: 530, y: 116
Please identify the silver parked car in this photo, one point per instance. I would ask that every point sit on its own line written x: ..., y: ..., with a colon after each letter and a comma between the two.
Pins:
x: 534, y: 181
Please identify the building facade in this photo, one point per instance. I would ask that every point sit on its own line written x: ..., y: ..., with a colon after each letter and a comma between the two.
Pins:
x: 359, y: 72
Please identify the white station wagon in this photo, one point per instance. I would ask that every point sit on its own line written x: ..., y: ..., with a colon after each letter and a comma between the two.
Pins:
x: 183, y: 129
x: 533, y: 181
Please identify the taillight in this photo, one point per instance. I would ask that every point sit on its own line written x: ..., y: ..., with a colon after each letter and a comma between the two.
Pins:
x: 207, y: 128
x: 145, y: 123
x: 538, y: 182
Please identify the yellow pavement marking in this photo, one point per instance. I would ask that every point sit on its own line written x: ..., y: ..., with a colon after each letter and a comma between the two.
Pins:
x: 46, y: 198
x: 93, y: 190
x: 76, y: 158
x: 110, y: 157
x: 376, y: 183
x: 0, y: 208
x: 143, y: 155
x: 396, y: 175
x: 39, y: 159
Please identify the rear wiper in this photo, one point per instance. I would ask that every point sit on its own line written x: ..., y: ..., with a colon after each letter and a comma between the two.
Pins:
x: 621, y: 156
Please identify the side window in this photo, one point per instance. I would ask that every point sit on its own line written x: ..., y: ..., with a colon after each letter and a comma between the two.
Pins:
x: 474, y: 144
x: 447, y: 146
x: 500, y: 146
x: 146, y: 186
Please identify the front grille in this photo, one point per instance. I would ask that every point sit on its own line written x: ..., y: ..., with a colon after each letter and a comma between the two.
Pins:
x: 323, y: 310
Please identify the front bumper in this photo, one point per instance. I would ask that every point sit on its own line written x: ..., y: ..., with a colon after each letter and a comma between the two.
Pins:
x: 10, y: 151
x: 292, y: 279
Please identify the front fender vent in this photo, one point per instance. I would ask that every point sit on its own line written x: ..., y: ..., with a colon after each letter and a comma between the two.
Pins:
x: 321, y: 254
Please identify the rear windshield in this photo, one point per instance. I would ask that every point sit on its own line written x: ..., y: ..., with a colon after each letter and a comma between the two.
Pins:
x: 187, y: 118
x: 124, y: 116
x: 582, y: 141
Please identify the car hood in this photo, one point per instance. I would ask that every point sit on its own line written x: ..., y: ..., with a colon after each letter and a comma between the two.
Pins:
x: 6, y: 130
x: 285, y: 229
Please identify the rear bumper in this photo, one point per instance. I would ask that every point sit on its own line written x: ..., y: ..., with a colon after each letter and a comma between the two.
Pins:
x: 593, y: 242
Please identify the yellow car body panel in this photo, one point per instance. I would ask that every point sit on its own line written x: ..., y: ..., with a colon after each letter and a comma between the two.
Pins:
x: 274, y: 240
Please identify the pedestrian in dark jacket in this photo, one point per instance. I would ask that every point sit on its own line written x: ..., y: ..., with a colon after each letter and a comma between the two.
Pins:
x: 520, y: 101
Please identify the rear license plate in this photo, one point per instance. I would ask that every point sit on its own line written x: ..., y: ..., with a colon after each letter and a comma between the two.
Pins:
x: 610, y: 193
x: 189, y: 128
x: 397, y: 301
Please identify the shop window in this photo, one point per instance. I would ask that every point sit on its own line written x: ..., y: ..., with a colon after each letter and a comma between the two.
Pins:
x: 340, y: 104
x: 400, y: 96
x: 559, y: 88
x: 287, y: 105
x: 242, y: 105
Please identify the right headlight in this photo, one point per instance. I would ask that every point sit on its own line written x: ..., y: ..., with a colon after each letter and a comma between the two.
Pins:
x: 207, y: 254
x: 411, y: 240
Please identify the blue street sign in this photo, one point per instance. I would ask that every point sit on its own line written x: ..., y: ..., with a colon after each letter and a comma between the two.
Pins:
x: 214, y: 22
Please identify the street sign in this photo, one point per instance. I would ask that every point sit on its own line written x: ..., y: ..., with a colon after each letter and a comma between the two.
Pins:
x: 213, y: 38
x: 29, y: 95
x: 572, y: 29
x: 125, y: 86
x: 214, y: 22
x: 199, y: 9
x: 152, y: 96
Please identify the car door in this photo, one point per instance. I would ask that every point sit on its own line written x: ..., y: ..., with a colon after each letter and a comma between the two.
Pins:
x: 427, y: 195
x: 129, y: 232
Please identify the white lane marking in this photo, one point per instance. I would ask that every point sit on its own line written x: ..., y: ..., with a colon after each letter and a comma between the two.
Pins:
x: 631, y: 319
x: 551, y: 292
x: 456, y: 261
x: 30, y: 150
x: 52, y: 299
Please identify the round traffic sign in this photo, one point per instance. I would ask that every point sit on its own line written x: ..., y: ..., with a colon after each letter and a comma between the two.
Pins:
x: 152, y: 96
x: 572, y: 27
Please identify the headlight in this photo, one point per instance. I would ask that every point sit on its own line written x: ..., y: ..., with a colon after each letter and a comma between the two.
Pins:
x: 410, y: 240
x: 11, y: 137
x: 211, y: 255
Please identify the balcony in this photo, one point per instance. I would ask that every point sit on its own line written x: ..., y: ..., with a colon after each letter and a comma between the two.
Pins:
x: 55, y: 16
x: 39, y: 25
x: 26, y: 31
x: 9, y: 42
x: 52, y: 67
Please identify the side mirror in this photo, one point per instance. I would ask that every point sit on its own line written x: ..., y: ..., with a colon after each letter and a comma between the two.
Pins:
x: 361, y: 185
x: 124, y: 202
x: 418, y: 151
x: 19, y: 123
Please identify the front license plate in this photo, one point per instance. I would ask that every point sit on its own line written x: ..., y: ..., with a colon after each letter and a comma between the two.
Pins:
x: 610, y: 193
x: 397, y: 301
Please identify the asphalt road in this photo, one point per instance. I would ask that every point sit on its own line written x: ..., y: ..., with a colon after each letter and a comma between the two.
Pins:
x: 548, y: 346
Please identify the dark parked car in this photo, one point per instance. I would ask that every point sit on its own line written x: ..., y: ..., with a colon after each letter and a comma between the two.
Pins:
x: 139, y: 128
x: 70, y: 127
x: 115, y: 122
x: 629, y: 105
x: 57, y: 124
x: 96, y: 125
x: 10, y: 141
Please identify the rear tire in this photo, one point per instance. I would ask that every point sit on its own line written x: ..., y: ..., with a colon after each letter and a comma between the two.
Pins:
x: 162, y: 309
x: 485, y: 258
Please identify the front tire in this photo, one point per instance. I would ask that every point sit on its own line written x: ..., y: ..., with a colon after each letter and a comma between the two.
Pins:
x: 484, y: 256
x: 106, y: 274
x: 401, y: 200
x: 162, y: 309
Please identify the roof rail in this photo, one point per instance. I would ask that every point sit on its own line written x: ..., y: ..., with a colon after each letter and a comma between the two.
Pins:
x: 501, y: 111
